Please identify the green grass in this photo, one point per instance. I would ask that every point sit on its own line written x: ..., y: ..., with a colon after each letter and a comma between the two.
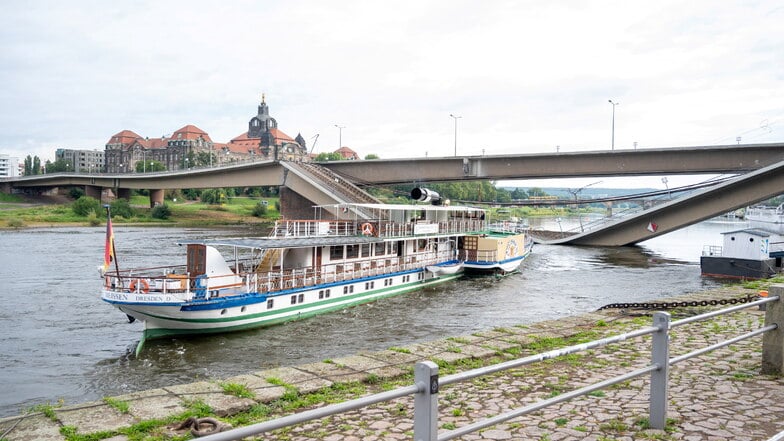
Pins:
x: 237, y: 390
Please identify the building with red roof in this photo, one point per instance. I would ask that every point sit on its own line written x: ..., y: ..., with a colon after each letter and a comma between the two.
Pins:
x: 191, y: 146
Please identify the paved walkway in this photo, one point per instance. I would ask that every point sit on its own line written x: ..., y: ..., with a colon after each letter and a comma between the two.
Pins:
x: 717, y: 396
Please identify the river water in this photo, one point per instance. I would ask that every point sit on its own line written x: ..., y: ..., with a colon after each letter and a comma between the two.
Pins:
x: 60, y: 341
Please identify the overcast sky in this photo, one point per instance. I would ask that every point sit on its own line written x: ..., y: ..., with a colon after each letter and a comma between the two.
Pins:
x: 523, y: 76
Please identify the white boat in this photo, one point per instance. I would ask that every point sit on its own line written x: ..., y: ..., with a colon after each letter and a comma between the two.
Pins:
x: 307, y: 267
x: 745, y: 254
x: 760, y: 213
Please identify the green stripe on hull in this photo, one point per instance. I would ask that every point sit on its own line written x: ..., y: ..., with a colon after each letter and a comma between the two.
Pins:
x: 335, y: 304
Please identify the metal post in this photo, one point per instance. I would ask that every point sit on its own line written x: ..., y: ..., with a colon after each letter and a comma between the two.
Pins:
x: 773, y: 341
x: 660, y: 356
x: 426, y: 402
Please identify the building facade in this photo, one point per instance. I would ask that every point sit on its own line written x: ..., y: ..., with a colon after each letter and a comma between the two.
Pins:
x: 9, y: 166
x: 81, y: 161
x: 191, y: 147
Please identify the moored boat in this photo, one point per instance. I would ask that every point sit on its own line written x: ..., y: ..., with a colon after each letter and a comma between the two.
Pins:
x: 761, y: 213
x: 745, y: 254
x: 350, y: 254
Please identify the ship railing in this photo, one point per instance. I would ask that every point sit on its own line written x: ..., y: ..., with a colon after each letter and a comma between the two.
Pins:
x: 478, y: 256
x: 164, y: 279
x: 277, y: 280
x: 711, y: 250
x: 311, y: 228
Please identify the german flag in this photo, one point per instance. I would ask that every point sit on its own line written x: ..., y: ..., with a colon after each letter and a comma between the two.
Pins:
x: 108, y: 253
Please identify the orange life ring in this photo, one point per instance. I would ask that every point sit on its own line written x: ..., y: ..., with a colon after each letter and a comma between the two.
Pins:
x: 368, y: 229
x: 144, y: 286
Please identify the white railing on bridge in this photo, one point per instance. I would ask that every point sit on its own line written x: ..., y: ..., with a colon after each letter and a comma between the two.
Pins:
x: 427, y: 382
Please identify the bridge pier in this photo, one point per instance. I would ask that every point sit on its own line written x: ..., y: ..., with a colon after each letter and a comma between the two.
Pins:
x: 93, y: 191
x: 293, y: 205
x: 124, y: 193
x: 156, y: 198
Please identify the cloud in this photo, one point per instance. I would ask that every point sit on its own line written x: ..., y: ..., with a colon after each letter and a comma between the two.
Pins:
x: 524, y: 76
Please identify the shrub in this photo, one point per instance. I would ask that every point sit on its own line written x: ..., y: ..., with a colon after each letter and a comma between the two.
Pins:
x: 259, y: 210
x: 93, y: 219
x: 15, y: 222
x: 161, y: 212
x: 121, y: 207
x: 76, y: 192
x: 86, y: 205
x: 277, y: 206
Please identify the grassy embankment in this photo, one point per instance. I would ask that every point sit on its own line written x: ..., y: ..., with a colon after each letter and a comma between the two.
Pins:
x: 17, y: 212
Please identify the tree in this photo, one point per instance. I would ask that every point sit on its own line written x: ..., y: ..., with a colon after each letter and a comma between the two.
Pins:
x: 324, y: 157
x: 149, y: 166
x: 57, y: 166
x: 372, y: 156
x: 36, y: 165
x: 28, y: 165
x: 86, y: 205
x: 121, y: 207
x: 203, y: 158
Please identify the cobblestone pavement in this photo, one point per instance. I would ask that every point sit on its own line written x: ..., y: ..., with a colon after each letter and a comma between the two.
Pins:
x: 720, y: 395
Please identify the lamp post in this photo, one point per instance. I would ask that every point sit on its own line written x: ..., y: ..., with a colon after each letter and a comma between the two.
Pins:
x: 456, y: 118
x: 340, y: 135
x: 612, y: 145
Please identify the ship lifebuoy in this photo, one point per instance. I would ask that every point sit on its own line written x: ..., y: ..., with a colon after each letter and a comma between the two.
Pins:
x: 368, y: 229
x: 143, y: 285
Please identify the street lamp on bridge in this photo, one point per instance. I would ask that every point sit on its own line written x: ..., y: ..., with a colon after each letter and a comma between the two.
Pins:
x: 456, y: 118
x: 612, y: 144
x: 340, y: 135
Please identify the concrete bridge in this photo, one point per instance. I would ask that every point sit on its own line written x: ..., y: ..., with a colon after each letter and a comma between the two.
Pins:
x: 304, y: 185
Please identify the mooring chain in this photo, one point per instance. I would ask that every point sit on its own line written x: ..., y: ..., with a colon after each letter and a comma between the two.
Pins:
x: 672, y: 305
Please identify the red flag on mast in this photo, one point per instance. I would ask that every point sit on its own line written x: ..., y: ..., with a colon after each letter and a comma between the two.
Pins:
x: 108, y: 253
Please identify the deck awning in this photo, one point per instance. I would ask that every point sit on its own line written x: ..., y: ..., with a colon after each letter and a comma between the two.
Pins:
x: 288, y: 242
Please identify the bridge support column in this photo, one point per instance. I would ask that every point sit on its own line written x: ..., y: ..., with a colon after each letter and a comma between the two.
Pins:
x: 156, y: 198
x: 93, y: 191
x: 293, y: 205
x: 124, y: 193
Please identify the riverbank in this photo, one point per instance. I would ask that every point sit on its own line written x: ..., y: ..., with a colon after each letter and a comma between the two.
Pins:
x: 720, y: 395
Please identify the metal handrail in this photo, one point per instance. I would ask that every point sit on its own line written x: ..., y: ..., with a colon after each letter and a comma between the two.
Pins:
x: 427, y: 383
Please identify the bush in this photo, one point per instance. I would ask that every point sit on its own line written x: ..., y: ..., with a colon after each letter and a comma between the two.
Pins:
x: 121, y: 207
x: 277, y: 206
x: 161, y: 212
x: 93, y: 219
x: 76, y: 192
x: 86, y: 205
x: 15, y: 222
x: 260, y: 210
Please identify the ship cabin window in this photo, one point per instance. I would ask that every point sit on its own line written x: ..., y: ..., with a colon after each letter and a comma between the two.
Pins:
x: 348, y: 289
x: 270, y: 303
x: 751, y: 239
x: 321, y: 294
x: 294, y: 300
x: 392, y: 248
x: 301, y: 298
x: 369, y: 285
x: 421, y: 244
x: 420, y: 276
x: 380, y: 249
x: 336, y: 252
x: 324, y: 294
x: 352, y: 251
x: 366, y: 250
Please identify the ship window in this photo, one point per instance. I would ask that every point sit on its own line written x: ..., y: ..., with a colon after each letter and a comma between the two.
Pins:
x: 301, y: 298
x: 293, y: 300
x: 326, y: 293
x: 243, y: 309
x: 223, y: 311
x: 352, y: 251
x: 751, y: 239
x: 366, y: 250
x: 336, y: 252
x: 345, y: 290
x: 732, y: 238
x: 321, y: 294
x: 380, y: 247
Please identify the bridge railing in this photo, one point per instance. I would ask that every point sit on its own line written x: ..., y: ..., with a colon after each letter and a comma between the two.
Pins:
x: 427, y: 382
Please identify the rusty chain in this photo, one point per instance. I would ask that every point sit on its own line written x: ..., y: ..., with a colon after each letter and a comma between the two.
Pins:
x: 672, y: 305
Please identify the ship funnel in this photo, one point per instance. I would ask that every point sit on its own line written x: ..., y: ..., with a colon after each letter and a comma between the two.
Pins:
x: 425, y: 195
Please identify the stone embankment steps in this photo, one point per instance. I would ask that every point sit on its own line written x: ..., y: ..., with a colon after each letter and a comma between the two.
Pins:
x: 717, y: 396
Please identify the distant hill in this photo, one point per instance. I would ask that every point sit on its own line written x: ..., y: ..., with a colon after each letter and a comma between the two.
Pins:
x: 590, y: 192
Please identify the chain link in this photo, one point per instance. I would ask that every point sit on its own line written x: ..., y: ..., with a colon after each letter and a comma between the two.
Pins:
x: 672, y: 305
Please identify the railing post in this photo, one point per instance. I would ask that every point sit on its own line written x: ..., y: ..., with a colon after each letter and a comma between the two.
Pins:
x: 426, y: 402
x: 660, y: 356
x: 773, y: 341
